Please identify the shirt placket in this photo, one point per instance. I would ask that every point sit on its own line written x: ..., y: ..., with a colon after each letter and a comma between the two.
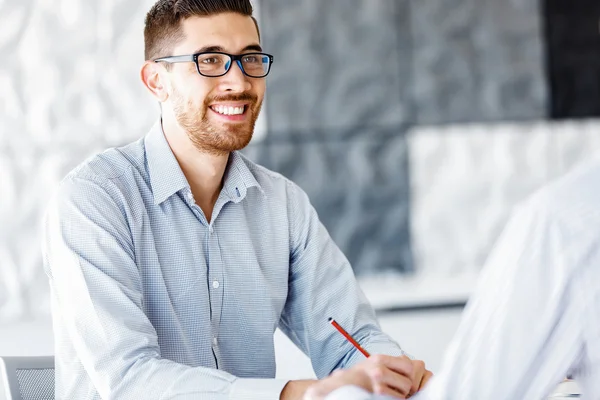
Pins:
x: 214, y: 273
x: 215, y: 288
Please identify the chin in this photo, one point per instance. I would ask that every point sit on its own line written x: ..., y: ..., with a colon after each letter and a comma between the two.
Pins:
x: 217, y: 137
x: 238, y: 143
x: 220, y: 141
x: 234, y: 138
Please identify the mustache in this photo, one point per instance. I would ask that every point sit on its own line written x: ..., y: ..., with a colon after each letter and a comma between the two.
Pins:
x: 232, y: 97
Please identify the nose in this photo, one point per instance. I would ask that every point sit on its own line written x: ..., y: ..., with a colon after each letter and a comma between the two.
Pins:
x: 235, y: 80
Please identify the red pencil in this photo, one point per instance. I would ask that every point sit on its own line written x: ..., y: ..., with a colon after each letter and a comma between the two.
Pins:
x: 348, y: 337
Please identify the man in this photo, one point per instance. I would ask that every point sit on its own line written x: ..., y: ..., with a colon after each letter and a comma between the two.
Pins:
x: 535, y: 315
x: 173, y: 260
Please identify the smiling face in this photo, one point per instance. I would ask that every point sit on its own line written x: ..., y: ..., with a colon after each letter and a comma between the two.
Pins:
x: 217, y: 113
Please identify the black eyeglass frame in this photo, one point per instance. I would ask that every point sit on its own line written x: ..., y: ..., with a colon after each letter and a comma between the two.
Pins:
x: 237, y: 58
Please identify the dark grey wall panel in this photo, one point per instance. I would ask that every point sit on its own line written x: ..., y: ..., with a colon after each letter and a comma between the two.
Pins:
x: 360, y: 190
x: 350, y: 76
x: 573, y: 47
x: 477, y: 60
x: 338, y: 64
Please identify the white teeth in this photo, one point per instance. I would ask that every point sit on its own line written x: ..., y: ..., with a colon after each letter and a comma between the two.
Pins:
x: 229, y: 110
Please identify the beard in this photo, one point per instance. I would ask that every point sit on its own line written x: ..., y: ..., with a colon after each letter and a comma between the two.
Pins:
x: 210, y: 136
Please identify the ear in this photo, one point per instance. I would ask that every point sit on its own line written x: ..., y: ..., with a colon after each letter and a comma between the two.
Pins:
x: 154, y: 78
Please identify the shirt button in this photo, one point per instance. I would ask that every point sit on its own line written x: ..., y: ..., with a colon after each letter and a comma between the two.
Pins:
x: 215, y: 341
x: 210, y: 229
x: 216, y: 284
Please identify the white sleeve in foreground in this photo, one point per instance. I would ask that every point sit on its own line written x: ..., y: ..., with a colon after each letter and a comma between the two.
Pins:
x: 353, y: 393
x: 521, y: 331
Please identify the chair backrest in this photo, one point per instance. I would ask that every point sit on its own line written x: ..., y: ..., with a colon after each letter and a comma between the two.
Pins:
x: 567, y: 389
x: 27, y: 378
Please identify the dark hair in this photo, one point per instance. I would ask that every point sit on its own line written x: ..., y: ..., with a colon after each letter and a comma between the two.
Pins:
x: 163, y: 21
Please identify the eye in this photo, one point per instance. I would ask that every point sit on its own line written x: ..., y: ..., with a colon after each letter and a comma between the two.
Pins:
x: 252, y: 58
x: 210, y: 60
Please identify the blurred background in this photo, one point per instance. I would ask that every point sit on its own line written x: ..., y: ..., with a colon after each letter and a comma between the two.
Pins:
x: 414, y: 126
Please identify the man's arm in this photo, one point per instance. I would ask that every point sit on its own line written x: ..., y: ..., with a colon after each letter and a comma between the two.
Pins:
x: 390, y: 376
x: 97, y: 290
x: 322, y: 285
x: 361, y: 381
x: 295, y: 390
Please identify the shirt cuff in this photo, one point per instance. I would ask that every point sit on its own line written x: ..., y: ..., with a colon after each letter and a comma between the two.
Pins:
x: 385, y: 348
x: 257, y: 389
x: 349, y: 393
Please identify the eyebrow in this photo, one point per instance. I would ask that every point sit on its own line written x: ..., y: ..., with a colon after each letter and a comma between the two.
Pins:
x: 252, y: 47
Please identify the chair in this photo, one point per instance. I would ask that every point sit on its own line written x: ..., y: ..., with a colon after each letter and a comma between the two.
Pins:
x: 27, y: 378
x: 567, y: 389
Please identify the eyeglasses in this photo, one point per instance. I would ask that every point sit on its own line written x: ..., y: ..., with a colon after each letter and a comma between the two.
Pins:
x: 215, y: 64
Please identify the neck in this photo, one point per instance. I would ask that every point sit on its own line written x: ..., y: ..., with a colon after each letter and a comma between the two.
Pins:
x: 203, y: 171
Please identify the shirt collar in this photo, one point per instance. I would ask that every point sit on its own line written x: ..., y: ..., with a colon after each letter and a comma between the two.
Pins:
x: 167, y: 178
x: 238, y: 178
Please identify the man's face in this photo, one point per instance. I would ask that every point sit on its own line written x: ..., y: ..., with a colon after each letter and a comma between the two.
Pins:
x: 207, y: 108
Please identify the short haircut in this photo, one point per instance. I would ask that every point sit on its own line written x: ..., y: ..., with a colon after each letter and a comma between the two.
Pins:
x: 163, y: 28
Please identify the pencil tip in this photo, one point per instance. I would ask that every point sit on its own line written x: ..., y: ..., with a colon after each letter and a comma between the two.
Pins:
x: 329, y: 319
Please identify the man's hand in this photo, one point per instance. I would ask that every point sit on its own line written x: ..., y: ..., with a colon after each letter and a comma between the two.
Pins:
x: 420, y: 376
x: 397, y: 377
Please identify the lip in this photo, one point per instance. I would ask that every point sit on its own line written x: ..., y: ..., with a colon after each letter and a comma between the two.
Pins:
x: 230, y: 104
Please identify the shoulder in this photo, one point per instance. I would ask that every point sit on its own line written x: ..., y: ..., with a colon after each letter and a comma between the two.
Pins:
x: 111, y: 163
x: 101, y: 177
x: 572, y: 201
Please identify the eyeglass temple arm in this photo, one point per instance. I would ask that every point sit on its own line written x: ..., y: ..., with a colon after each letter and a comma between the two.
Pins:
x: 175, y: 59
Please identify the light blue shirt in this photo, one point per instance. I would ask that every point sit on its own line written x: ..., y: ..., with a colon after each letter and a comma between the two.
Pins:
x: 152, y: 302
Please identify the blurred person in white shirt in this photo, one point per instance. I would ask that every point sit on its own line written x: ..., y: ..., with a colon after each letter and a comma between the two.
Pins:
x: 534, y: 317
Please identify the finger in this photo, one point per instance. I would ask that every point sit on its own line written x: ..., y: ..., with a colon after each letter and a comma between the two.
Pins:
x: 384, y: 390
x: 383, y: 376
x: 401, y: 365
x: 417, y: 376
x: 426, y: 377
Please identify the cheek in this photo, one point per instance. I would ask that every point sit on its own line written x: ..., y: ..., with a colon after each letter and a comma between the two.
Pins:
x: 193, y: 90
x: 191, y: 99
x: 260, y: 88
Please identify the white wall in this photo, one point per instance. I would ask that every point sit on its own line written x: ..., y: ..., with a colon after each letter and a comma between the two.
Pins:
x: 465, y: 180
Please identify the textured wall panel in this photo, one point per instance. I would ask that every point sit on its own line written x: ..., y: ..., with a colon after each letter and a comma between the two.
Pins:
x: 477, y: 60
x: 338, y: 64
x: 70, y: 87
x: 465, y: 179
x: 28, y: 179
x: 73, y: 73
x: 574, y: 143
x: 360, y: 190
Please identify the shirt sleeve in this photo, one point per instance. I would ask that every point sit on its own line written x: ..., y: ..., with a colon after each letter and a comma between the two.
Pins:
x: 322, y: 285
x: 521, y: 331
x: 97, y: 291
